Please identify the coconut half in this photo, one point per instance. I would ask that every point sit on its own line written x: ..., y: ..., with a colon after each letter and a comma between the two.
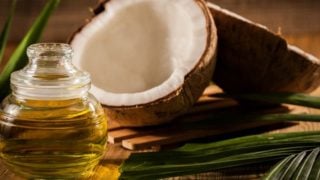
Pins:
x: 149, y: 60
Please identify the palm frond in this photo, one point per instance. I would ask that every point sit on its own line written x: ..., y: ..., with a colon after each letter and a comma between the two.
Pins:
x: 197, y: 158
x: 304, y: 165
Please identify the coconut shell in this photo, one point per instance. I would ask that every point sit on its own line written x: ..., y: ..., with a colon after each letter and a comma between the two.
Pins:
x: 253, y: 59
x: 166, y: 108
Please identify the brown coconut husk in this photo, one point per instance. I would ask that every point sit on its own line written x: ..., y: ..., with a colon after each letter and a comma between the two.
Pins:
x: 253, y: 59
x: 166, y: 108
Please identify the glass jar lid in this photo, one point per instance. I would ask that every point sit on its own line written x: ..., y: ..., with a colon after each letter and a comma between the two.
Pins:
x: 50, y: 74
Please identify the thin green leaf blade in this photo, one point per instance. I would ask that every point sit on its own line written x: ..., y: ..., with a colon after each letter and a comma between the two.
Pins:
x: 306, y: 166
x: 6, y: 29
x: 240, y: 117
x: 288, y: 173
x: 315, y: 172
x: 277, y: 171
x: 281, y: 117
x: 287, y: 98
x: 19, y: 58
x: 191, y: 167
x: 247, y: 139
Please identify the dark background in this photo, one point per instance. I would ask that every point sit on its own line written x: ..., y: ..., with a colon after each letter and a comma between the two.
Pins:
x: 293, y: 16
x: 298, y: 19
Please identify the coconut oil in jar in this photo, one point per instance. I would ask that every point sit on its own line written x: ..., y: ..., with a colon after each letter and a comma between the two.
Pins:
x: 50, y: 126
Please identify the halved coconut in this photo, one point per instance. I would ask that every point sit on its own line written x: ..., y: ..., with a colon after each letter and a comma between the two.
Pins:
x: 149, y: 60
x: 260, y: 60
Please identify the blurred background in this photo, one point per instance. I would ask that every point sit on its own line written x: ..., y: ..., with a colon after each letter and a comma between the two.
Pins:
x: 299, y: 20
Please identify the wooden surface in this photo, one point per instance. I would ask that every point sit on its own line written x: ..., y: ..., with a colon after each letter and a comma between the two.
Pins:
x: 308, y: 38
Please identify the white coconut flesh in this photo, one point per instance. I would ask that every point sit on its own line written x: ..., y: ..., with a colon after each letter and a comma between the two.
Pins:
x: 139, y: 51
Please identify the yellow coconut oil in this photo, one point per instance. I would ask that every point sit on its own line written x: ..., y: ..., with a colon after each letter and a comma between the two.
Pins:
x: 50, y: 126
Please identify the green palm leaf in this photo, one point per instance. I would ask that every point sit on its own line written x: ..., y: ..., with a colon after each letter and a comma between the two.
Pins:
x: 197, y: 158
x: 18, y: 58
x: 241, y: 117
x: 315, y: 171
x: 304, y: 165
x: 6, y: 29
x: 305, y: 168
x: 275, y: 172
x: 287, y: 98
x: 293, y: 166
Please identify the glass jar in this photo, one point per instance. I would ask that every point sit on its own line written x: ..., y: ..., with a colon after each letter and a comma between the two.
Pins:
x: 50, y: 126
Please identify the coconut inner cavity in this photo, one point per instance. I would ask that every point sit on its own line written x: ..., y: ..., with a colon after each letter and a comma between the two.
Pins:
x: 142, y: 45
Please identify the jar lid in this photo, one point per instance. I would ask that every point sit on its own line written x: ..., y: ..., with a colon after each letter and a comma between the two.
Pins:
x: 50, y: 74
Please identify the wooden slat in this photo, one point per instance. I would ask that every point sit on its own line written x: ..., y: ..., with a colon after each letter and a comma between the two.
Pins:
x: 125, y: 133
x: 211, y: 89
